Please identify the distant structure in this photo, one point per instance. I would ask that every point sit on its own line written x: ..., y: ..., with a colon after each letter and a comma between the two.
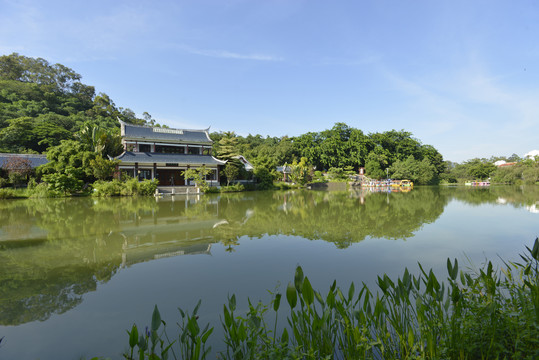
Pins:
x: 503, y: 163
x: 532, y: 154
x: 34, y: 160
x: 164, y: 153
x: 246, y: 164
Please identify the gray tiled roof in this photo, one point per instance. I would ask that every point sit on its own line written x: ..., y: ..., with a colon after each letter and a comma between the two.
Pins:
x: 35, y: 159
x: 130, y: 157
x: 148, y: 133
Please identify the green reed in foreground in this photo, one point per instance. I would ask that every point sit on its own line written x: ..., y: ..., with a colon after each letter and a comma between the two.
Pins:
x: 485, y: 314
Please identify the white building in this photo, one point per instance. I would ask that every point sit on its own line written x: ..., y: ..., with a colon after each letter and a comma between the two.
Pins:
x: 164, y: 153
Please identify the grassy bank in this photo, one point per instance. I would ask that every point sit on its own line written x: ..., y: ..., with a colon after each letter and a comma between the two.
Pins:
x: 489, y: 314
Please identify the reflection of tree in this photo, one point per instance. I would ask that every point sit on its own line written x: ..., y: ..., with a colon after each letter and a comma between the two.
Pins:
x: 338, y: 217
x: 52, y: 251
x: 517, y: 196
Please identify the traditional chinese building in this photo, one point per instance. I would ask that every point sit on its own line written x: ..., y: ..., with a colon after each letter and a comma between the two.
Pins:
x: 164, y: 153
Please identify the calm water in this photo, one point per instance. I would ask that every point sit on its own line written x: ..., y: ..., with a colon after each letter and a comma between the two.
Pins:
x: 76, y: 273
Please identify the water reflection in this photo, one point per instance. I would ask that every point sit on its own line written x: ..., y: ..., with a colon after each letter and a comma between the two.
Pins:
x: 53, y: 251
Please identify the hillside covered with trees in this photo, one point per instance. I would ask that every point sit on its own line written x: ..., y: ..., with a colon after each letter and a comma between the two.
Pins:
x: 45, y: 108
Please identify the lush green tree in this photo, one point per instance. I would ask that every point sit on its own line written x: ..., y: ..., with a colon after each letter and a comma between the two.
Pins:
x: 228, y: 146
x: 479, y: 168
x: 69, y: 153
x: 17, y: 135
x: 103, y: 169
x: 375, y: 164
x: 103, y: 141
x: 264, y: 172
x: 300, y: 172
x: 420, y: 172
x: 232, y: 170
x: 198, y: 175
x: 65, y: 182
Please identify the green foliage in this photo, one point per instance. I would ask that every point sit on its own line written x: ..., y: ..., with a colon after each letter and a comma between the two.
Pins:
x: 103, y: 169
x: 300, y: 172
x: 131, y: 187
x: 232, y: 188
x: 339, y: 174
x: 69, y: 153
x: 3, y: 182
x: 154, y: 343
x: 198, y: 175
x: 420, y: 172
x: 227, y: 147
x: 43, y: 190
x: 12, y: 194
x: 525, y: 172
x: 101, y: 140
x: 65, y: 182
x: 484, y: 315
x: 42, y: 104
x: 372, y: 166
x: 480, y: 168
x: 265, y: 173
x: 232, y: 170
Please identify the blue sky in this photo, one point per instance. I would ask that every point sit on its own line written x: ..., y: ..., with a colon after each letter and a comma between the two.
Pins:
x: 462, y: 76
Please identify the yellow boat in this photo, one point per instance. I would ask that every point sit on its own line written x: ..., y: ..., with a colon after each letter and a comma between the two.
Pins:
x: 407, y: 183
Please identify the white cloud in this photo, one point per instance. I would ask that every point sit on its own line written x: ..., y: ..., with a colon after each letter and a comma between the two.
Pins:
x: 231, y: 55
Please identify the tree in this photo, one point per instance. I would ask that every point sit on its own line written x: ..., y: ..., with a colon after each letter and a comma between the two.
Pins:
x: 300, y: 171
x: 103, y: 169
x: 420, y: 172
x: 101, y: 140
x: 198, y: 175
x: 479, y: 168
x: 232, y: 170
x: 264, y: 172
x: 69, y: 153
x: 66, y: 181
x: 373, y: 167
x: 228, y: 146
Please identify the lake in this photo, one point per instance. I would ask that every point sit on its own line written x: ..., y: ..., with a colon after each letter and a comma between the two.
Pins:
x: 76, y: 273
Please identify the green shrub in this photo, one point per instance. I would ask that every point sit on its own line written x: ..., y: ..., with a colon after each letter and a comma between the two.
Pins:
x: 131, y: 187
x: 4, y: 182
x: 211, y: 190
x: 147, y: 187
x: 43, y: 190
x: 8, y: 193
x: 286, y: 186
x: 233, y: 188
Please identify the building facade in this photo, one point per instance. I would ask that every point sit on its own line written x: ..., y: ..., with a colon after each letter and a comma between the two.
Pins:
x: 164, y: 154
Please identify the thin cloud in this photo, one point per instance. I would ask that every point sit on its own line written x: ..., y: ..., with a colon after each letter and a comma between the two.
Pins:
x: 224, y: 54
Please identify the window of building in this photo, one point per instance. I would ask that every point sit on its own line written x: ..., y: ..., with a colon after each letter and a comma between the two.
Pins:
x: 164, y: 149
x: 206, y: 151
x: 125, y: 173
x: 212, y: 175
x: 145, y: 148
x: 194, y: 151
x: 144, y: 174
x: 130, y: 147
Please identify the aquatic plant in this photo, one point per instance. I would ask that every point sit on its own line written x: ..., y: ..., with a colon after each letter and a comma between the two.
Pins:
x: 483, y: 314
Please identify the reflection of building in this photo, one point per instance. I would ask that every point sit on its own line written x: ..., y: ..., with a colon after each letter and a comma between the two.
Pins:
x: 164, y: 153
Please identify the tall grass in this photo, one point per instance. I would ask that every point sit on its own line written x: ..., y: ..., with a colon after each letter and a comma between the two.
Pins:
x: 487, y: 314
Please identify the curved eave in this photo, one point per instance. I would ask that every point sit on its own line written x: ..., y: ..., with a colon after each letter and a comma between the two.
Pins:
x: 129, y: 157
